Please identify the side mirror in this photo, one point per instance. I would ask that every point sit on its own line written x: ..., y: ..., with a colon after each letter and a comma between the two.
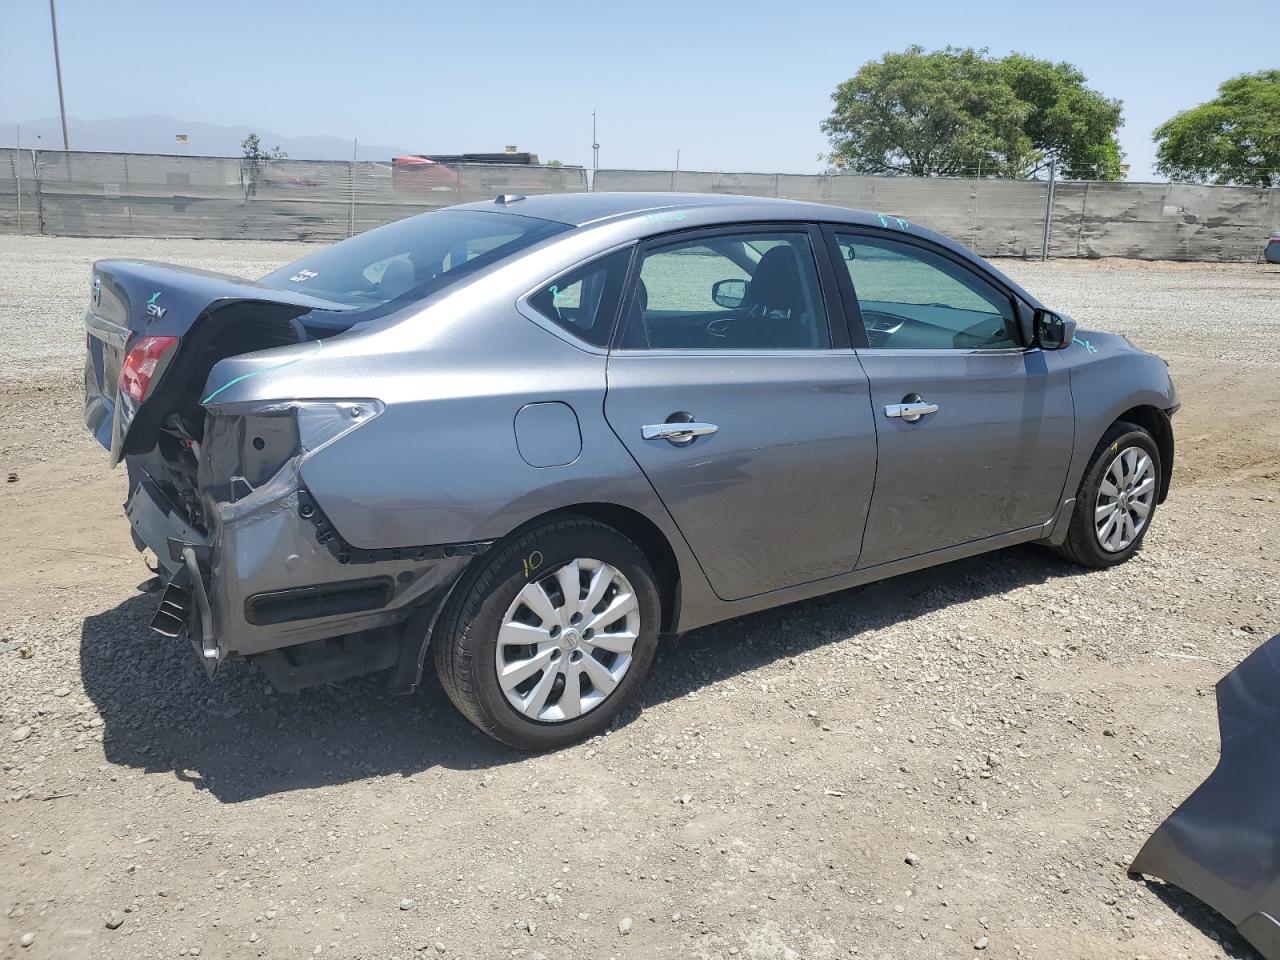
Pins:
x: 1053, y: 331
x: 729, y: 293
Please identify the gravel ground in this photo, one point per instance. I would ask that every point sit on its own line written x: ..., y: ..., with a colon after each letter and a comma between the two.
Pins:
x: 959, y: 762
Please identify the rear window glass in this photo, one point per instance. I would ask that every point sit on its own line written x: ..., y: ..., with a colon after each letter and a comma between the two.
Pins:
x: 411, y: 258
x: 585, y: 301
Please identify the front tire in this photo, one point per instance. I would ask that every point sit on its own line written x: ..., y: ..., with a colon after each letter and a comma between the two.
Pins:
x: 550, y: 635
x: 1116, y: 501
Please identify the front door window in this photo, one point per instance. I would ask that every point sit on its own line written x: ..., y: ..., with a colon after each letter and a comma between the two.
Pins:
x: 915, y: 299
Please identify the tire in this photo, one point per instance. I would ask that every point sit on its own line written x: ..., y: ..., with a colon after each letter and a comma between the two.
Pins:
x: 1084, y: 543
x: 492, y: 612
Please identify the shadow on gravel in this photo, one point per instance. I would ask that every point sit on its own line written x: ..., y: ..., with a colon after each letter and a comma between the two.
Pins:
x: 1202, y: 917
x: 726, y: 649
x: 237, y: 739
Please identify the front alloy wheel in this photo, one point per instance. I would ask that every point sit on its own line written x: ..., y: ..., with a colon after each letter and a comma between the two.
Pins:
x: 1116, y: 499
x: 1126, y: 495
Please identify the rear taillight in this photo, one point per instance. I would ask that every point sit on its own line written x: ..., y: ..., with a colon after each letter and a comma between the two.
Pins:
x: 141, y: 364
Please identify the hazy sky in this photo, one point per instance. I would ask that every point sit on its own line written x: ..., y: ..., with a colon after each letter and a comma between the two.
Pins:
x: 734, y: 85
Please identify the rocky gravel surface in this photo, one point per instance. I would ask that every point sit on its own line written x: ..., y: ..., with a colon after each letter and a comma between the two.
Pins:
x: 959, y: 762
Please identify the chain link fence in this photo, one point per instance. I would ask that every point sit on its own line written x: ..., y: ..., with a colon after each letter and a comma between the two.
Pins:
x: 146, y: 195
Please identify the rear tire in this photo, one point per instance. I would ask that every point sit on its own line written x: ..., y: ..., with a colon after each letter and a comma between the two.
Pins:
x: 1122, y: 481
x: 513, y: 643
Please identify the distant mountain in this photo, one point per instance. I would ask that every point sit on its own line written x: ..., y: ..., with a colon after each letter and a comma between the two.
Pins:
x: 155, y: 133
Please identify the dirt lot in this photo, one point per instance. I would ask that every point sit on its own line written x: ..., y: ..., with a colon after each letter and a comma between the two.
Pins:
x: 1015, y: 724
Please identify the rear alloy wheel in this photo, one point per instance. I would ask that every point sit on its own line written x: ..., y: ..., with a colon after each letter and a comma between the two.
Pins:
x: 566, y: 640
x: 1116, y: 500
x: 549, y: 635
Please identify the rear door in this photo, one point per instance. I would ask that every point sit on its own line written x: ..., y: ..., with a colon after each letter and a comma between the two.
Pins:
x: 975, y: 428
x: 749, y: 419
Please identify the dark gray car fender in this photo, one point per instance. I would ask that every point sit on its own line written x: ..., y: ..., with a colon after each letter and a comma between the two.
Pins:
x: 1110, y: 377
x: 1223, y: 843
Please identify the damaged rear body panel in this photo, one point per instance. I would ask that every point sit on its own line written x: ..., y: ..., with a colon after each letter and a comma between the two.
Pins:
x: 217, y: 393
x: 279, y: 574
x: 215, y: 490
x: 1222, y: 845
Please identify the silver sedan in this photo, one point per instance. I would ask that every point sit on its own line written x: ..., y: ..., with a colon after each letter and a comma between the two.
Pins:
x: 524, y: 439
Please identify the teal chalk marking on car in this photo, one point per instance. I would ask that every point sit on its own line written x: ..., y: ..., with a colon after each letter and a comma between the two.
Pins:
x: 673, y: 216
x: 902, y: 224
x: 558, y: 296
x: 245, y: 376
x: 1086, y: 344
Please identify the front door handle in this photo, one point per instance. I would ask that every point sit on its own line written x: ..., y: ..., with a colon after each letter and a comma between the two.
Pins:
x: 678, y: 432
x: 911, y: 411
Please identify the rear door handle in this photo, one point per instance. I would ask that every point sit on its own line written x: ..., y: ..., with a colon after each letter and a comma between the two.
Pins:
x: 677, y: 432
x: 911, y: 412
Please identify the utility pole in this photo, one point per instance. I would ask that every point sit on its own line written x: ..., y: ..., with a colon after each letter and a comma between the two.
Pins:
x: 17, y: 171
x: 595, y: 151
x: 355, y: 153
x: 57, y: 66
x: 1048, y: 207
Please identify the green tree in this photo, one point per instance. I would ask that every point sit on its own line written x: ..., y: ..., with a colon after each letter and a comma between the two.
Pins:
x: 1066, y: 118
x: 1234, y: 138
x: 953, y: 111
x: 252, y: 148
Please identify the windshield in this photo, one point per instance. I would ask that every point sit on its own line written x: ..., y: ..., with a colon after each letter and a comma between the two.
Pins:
x: 411, y: 258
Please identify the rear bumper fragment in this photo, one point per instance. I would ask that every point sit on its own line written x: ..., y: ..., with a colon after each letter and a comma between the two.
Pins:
x: 319, y: 600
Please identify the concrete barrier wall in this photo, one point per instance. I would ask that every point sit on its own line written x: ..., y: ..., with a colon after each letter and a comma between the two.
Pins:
x: 119, y: 194
x: 1150, y: 221
x: 145, y: 195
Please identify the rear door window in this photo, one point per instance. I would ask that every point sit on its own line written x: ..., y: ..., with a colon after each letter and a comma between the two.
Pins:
x: 739, y: 291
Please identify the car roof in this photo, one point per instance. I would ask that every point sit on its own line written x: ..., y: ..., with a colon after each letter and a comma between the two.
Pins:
x: 580, y: 209
x: 659, y: 213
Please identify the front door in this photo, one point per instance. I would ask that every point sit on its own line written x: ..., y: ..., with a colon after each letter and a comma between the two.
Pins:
x: 975, y: 428
x: 752, y: 427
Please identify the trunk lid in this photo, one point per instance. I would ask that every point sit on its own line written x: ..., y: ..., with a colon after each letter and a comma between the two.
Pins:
x: 208, y: 316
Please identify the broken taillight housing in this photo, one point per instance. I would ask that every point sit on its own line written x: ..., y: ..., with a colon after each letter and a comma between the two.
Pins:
x: 141, y: 364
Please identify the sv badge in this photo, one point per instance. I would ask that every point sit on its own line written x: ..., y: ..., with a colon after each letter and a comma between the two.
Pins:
x: 154, y: 309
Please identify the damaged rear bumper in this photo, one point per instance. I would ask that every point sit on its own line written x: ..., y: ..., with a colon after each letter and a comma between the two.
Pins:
x: 1222, y: 844
x: 271, y: 573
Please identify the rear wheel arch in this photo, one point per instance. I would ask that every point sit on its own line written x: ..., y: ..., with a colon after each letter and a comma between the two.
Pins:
x: 632, y: 524
x: 1156, y: 422
x: 641, y: 531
